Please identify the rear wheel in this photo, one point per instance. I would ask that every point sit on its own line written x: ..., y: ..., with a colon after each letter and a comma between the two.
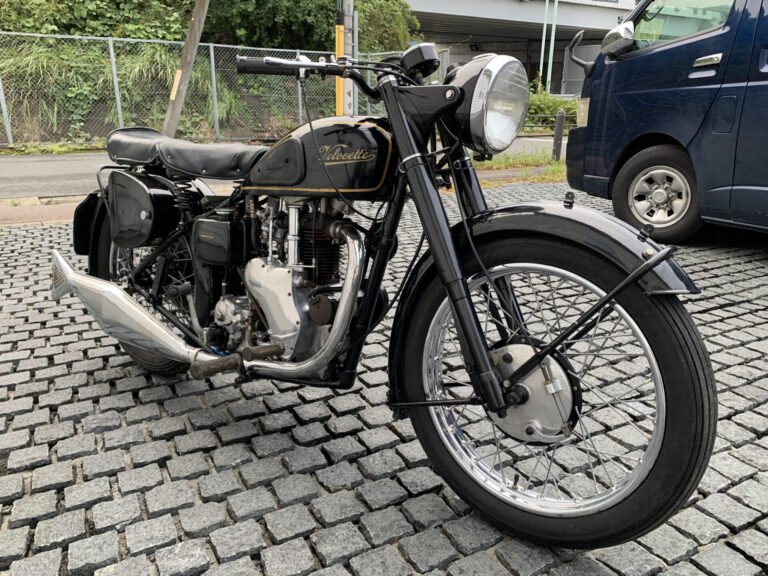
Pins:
x: 114, y: 263
x: 619, y: 423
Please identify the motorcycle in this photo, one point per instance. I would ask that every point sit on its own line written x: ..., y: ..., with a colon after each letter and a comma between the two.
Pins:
x: 552, y: 375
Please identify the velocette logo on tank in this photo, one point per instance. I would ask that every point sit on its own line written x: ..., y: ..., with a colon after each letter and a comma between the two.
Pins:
x: 345, y: 154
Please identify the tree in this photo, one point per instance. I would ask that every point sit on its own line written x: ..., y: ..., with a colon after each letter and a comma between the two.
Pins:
x: 308, y: 24
x: 151, y: 19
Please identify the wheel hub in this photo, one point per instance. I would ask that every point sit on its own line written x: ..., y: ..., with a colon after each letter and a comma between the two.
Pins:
x: 548, y: 415
x: 660, y: 196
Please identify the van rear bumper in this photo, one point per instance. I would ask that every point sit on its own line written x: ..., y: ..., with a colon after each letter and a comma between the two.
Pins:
x: 574, y: 163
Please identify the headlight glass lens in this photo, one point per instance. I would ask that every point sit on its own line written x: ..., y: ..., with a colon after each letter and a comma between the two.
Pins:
x: 499, y: 104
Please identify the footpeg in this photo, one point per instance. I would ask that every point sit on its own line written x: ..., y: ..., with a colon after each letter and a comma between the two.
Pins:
x: 210, y: 367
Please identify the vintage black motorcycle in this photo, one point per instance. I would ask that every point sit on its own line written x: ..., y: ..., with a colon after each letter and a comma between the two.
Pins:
x: 552, y: 375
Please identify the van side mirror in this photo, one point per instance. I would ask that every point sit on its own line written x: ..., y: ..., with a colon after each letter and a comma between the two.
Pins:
x: 619, y: 40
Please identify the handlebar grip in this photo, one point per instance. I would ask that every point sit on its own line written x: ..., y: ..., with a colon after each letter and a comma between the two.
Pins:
x: 248, y: 65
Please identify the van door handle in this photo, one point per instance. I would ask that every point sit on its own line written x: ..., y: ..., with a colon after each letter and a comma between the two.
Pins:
x: 711, y: 60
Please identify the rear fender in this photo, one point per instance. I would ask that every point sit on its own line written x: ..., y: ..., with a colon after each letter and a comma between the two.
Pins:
x: 86, y: 225
x: 606, y: 236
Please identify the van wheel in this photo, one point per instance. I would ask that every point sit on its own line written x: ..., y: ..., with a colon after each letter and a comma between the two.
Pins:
x: 658, y: 186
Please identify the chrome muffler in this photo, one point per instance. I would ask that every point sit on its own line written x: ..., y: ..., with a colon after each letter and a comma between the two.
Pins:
x: 121, y: 316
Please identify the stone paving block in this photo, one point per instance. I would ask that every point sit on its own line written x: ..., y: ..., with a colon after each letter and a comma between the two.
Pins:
x: 32, y: 509
x: 310, y: 434
x: 116, y: 514
x: 241, y: 567
x: 151, y: 452
x: 208, y: 418
x: 11, y: 487
x: 376, y: 416
x: 580, y: 566
x: 296, y: 488
x: 139, y: 479
x: 231, y: 456
x: 185, y: 559
x: 338, y: 544
x: 699, y: 526
x: 187, y: 467
x: 147, y: 536
x: 378, y: 439
x: 271, y: 445
x: 43, y: 564
x: 247, y: 409
x: 427, y: 511
x: 629, y: 559
x: 216, y: 487
x: 102, y: 422
x: 26, y: 458
x: 728, y: 511
x: 86, y: 556
x: 720, y: 559
x: 292, y: 558
x: 11, y: 441
x: 420, y: 480
x: 170, y: 497
x: 124, y: 437
x: 116, y: 402
x: 180, y: 406
x: 278, y: 422
x: 155, y: 394
x: 253, y: 503
x: 346, y: 404
x: 668, y: 544
x: 94, y: 391
x: 344, y: 425
x: 428, y: 550
x: 471, y: 534
x: 13, y: 545
x: 52, y: 477
x: 335, y: 570
x: 412, y: 453
x: 304, y: 460
x: 479, y: 564
x: 288, y: 523
x: 137, y: 566
x: 203, y: 519
x: 166, y: 428
x: 76, y: 446
x: 341, y: 476
x: 262, y: 472
x: 312, y: 412
x: 241, y: 539
x: 194, y: 441
x: 75, y: 411
x: 86, y: 494
x: 59, y: 530
x: 381, y: 464
x: 105, y: 464
x: 751, y: 494
x: 337, y: 508
x: 752, y: 544
x: 384, y: 561
x: 381, y: 493
x: 241, y: 431
x: 142, y: 413
x: 524, y: 559
x: 15, y: 407
x: 344, y: 448
x: 385, y: 526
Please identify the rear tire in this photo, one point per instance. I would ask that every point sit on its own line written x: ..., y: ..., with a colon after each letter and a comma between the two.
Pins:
x: 681, y: 391
x: 151, y: 362
x: 658, y: 186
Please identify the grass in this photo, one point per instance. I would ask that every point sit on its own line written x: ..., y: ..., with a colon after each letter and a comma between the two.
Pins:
x: 538, y: 167
x: 517, y: 160
x: 55, y: 148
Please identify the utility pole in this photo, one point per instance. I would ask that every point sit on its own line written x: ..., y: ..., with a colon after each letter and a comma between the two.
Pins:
x: 181, y: 80
x: 349, y: 46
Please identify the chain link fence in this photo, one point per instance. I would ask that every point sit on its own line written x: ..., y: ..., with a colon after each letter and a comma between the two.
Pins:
x: 77, y: 89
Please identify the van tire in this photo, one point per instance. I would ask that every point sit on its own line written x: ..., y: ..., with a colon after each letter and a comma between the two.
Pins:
x: 649, y: 167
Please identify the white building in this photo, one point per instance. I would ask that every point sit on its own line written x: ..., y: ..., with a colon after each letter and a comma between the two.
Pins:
x: 470, y: 27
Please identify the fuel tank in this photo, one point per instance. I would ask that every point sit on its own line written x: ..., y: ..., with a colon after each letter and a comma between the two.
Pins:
x: 356, y: 152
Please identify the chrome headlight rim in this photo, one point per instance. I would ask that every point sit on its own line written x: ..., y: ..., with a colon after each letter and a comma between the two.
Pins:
x: 478, y: 113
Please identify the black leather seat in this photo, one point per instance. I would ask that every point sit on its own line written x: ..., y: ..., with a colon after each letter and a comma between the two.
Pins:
x: 138, y: 146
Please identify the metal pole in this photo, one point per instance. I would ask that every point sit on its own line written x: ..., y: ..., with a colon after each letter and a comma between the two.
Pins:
x: 552, y: 48
x: 355, y: 55
x: 557, y: 145
x: 543, y: 42
x: 298, y: 92
x: 118, y: 101
x: 214, y: 93
x: 339, y: 52
x: 5, y: 115
x: 368, y: 100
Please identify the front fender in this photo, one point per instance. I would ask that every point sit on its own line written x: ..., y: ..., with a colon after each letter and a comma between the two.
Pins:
x: 604, y: 235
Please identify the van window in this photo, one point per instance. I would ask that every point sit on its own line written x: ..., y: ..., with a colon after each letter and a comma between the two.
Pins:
x: 666, y: 20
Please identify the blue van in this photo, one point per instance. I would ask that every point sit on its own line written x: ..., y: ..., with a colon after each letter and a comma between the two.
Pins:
x: 673, y: 117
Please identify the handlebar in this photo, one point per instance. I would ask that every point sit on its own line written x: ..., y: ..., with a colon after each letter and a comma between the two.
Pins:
x: 246, y: 65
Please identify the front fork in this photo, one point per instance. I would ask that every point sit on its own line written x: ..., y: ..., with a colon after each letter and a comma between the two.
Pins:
x: 415, y: 165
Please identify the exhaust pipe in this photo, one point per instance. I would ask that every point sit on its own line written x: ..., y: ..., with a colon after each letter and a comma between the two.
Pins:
x: 121, y: 316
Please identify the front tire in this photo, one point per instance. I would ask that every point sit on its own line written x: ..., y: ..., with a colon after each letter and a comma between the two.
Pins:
x: 644, y: 398
x: 657, y: 186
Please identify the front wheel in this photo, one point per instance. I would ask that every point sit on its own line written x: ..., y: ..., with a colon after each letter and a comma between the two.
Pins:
x: 619, y: 423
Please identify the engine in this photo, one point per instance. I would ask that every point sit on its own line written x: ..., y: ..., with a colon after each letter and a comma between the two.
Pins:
x: 291, y: 275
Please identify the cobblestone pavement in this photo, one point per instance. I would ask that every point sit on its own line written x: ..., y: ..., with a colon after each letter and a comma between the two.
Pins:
x: 104, y: 468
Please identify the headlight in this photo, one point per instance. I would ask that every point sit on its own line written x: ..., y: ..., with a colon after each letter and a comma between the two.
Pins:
x: 495, y: 102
